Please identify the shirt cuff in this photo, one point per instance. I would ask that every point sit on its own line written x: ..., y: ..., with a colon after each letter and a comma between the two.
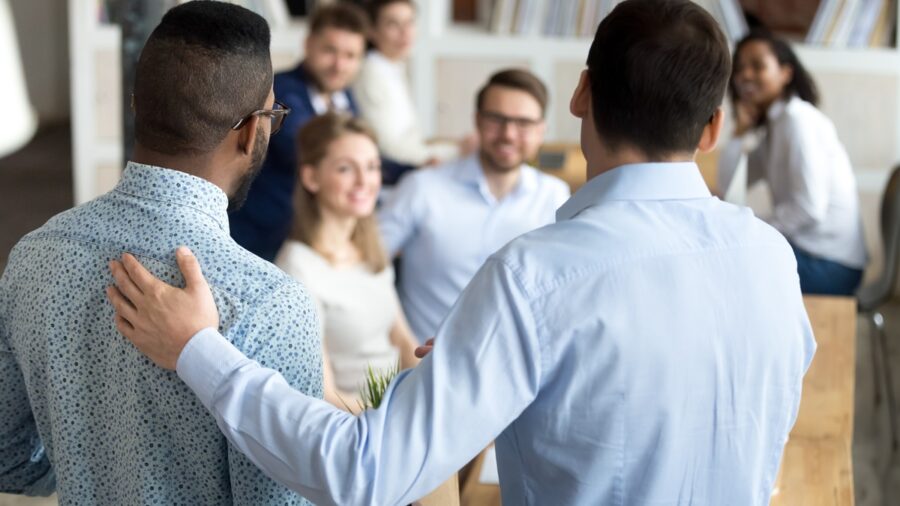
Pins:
x: 206, y: 361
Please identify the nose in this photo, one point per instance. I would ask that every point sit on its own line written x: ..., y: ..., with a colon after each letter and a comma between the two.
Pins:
x: 508, y: 130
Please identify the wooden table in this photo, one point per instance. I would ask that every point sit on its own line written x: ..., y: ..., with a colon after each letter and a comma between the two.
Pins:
x: 817, y: 465
x: 817, y: 469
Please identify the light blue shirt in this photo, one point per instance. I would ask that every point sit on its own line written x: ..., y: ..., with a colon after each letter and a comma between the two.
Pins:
x: 446, y: 222
x: 79, y: 400
x: 648, y: 348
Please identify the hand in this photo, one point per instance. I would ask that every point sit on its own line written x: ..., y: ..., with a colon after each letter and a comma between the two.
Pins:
x: 431, y: 162
x: 746, y: 117
x: 160, y: 319
x: 425, y: 349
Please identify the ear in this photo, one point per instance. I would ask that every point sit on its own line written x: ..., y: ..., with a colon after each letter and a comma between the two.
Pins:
x: 247, y: 136
x: 579, y: 105
x: 711, y: 131
x: 309, y: 179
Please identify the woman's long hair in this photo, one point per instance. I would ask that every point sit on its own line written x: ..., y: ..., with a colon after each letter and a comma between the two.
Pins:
x: 313, y: 141
x: 801, y: 84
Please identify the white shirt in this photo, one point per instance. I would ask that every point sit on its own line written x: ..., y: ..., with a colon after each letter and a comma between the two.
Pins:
x: 339, y: 101
x: 382, y: 92
x: 357, y: 310
x: 445, y: 222
x: 814, y: 197
x: 648, y: 348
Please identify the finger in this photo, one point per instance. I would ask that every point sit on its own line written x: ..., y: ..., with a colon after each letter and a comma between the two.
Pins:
x: 124, y: 327
x: 190, y: 269
x: 421, y: 351
x: 139, y: 275
x: 429, y: 342
x: 122, y: 306
x: 123, y: 282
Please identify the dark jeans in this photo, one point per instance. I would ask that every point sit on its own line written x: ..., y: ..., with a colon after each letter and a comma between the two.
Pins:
x: 825, y: 277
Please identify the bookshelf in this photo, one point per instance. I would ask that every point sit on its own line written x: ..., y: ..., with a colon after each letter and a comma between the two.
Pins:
x: 452, y: 59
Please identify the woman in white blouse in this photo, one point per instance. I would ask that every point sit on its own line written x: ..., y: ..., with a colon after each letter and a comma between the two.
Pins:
x: 335, y: 250
x: 383, y: 95
x: 794, y: 147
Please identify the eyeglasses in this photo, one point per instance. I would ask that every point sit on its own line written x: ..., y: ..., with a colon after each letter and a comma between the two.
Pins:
x: 278, y: 112
x: 497, y: 121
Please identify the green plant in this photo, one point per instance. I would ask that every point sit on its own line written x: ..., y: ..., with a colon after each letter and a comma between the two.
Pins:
x: 377, y: 382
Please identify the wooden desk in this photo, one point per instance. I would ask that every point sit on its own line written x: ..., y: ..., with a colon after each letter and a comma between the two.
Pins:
x: 817, y: 466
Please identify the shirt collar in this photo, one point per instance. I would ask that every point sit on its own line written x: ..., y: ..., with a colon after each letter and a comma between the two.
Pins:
x: 471, y: 172
x: 180, y: 188
x: 339, y: 101
x: 777, y: 109
x: 640, y: 181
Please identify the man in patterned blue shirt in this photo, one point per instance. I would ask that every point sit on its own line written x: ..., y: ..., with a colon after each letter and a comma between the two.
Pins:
x: 81, y: 411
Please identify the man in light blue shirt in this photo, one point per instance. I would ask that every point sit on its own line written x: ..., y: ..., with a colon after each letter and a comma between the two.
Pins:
x: 447, y: 221
x: 647, y: 348
x: 81, y: 411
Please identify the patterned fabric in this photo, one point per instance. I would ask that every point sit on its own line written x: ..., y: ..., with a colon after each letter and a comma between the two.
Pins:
x: 75, y: 394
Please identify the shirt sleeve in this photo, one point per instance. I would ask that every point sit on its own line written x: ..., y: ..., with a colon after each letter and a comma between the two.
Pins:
x: 808, y: 174
x: 398, y: 219
x: 281, y: 333
x: 24, y: 465
x: 425, y: 428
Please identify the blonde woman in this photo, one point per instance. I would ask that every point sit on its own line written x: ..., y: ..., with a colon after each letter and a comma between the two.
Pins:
x: 335, y: 250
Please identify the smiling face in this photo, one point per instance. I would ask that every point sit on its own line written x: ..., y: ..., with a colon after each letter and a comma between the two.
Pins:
x: 759, y: 78
x: 347, y: 180
x: 333, y: 57
x: 511, y: 127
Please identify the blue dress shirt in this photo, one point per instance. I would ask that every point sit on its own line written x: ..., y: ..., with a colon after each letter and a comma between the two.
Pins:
x: 77, y: 399
x: 262, y: 224
x: 446, y: 222
x: 648, y: 348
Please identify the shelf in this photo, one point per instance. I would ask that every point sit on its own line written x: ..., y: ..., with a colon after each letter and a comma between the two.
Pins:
x: 866, y: 60
x: 472, y: 40
x: 463, y: 40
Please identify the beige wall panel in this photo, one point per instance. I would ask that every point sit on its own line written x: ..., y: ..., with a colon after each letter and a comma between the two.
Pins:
x: 864, y: 111
x: 458, y: 80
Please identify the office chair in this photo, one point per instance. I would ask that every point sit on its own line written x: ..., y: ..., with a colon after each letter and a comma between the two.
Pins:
x: 873, y: 296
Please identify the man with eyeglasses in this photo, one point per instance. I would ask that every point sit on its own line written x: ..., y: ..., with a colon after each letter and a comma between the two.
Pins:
x: 81, y: 412
x: 447, y: 221
x: 333, y: 53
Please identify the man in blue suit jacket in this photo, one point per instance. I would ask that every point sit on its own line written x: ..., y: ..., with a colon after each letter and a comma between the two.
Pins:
x: 334, y: 50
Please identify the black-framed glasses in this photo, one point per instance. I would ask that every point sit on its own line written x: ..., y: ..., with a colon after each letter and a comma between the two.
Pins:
x: 278, y: 112
x: 498, y: 121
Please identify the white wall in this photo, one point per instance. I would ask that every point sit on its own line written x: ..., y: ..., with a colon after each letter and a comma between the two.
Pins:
x: 42, y: 30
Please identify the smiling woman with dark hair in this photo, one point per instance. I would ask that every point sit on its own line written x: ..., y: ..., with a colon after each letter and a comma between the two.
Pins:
x: 794, y: 147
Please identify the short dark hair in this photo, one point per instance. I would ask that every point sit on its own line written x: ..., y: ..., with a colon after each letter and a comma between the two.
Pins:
x: 802, y: 83
x: 204, y: 67
x: 518, y: 79
x: 658, y: 71
x: 342, y: 16
x: 374, y: 7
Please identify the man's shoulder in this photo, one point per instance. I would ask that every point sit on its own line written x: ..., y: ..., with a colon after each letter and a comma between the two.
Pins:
x: 605, y: 239
x: 547, y: 183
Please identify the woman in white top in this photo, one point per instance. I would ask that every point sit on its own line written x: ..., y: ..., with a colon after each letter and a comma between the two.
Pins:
x: 335, y: 250
x: 795, y: 149
x: 383, y: 95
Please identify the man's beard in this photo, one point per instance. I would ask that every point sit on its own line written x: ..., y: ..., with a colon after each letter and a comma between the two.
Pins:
x: 237, y: 199
x: 490, y: 163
